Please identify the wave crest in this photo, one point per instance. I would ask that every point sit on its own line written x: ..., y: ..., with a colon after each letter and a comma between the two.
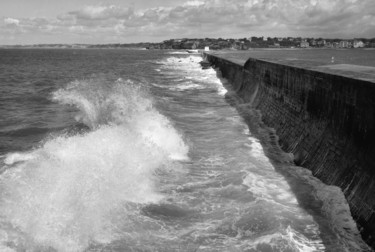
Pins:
x: 104, y: 102
x: 73, y: 190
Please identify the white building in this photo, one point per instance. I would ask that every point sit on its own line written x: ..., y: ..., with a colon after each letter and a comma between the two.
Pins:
x: 304, y: 44
x: 344, y: 44
x: 358, y: 44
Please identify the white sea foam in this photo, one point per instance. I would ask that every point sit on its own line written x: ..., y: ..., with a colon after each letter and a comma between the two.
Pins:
x: 17, y: 157
x: 266, y: 182
x: 336, y: 209
x: 187, y: 86
x: 190, y: 69
x: 269, y: 185
x: 288, y: 240
x: 179, y: 52
x: 67, y: 193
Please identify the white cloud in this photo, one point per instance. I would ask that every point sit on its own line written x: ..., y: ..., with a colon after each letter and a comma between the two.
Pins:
x: 11, y: 21
x: 102, y: 13
x: 78, y: 29
x: 215, y: 18
x: 96, y: 11
x: 193, y: 3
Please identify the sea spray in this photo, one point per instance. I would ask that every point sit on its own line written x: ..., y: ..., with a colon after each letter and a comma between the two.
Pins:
x: 122, y: 103
x: 101, y: 102
x: 71, y: 191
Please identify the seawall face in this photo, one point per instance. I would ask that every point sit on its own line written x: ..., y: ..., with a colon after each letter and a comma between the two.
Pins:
x: 324, y: 115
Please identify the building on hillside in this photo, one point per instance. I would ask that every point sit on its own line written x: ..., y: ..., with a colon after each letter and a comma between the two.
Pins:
x: 237, y: 45
x: 321, y: 42
x: 358, y: 44
x: 344, y: 44
x: 195, y: 45
x: 224, y: 44
x: 176, y: 45
x: 304, y: 44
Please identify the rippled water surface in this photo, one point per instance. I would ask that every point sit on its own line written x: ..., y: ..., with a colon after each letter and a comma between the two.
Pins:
x: 132, y: 150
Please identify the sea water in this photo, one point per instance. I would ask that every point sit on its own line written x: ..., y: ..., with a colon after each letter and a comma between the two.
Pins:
x: 134, y: 150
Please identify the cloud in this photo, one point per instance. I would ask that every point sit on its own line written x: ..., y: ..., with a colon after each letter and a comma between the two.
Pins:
x: 102, y: 13
x: 11, y: 21
x: 215, y: 18
x: 193, y: 3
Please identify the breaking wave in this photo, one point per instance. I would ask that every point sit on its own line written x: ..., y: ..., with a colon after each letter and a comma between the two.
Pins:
x: 73, y: 190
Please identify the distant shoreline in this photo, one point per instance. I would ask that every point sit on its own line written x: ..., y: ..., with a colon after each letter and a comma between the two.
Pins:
x: 145, y: 49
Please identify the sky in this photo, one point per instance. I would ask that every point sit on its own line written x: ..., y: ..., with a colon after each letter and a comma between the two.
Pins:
x: 130, y: 21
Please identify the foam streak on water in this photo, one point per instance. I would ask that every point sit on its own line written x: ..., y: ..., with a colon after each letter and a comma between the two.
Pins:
x: 191, y: 74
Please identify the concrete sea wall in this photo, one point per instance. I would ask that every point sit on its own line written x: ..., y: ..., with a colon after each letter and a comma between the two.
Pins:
x: 325, y: 118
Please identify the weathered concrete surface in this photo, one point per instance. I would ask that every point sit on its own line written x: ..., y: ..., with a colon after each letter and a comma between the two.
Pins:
x: 323, y: 113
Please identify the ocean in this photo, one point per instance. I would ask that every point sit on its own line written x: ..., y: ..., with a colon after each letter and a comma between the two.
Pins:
x: 138, y: 150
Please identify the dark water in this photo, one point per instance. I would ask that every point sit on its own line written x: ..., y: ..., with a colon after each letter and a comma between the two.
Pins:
x: 120, y: 150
